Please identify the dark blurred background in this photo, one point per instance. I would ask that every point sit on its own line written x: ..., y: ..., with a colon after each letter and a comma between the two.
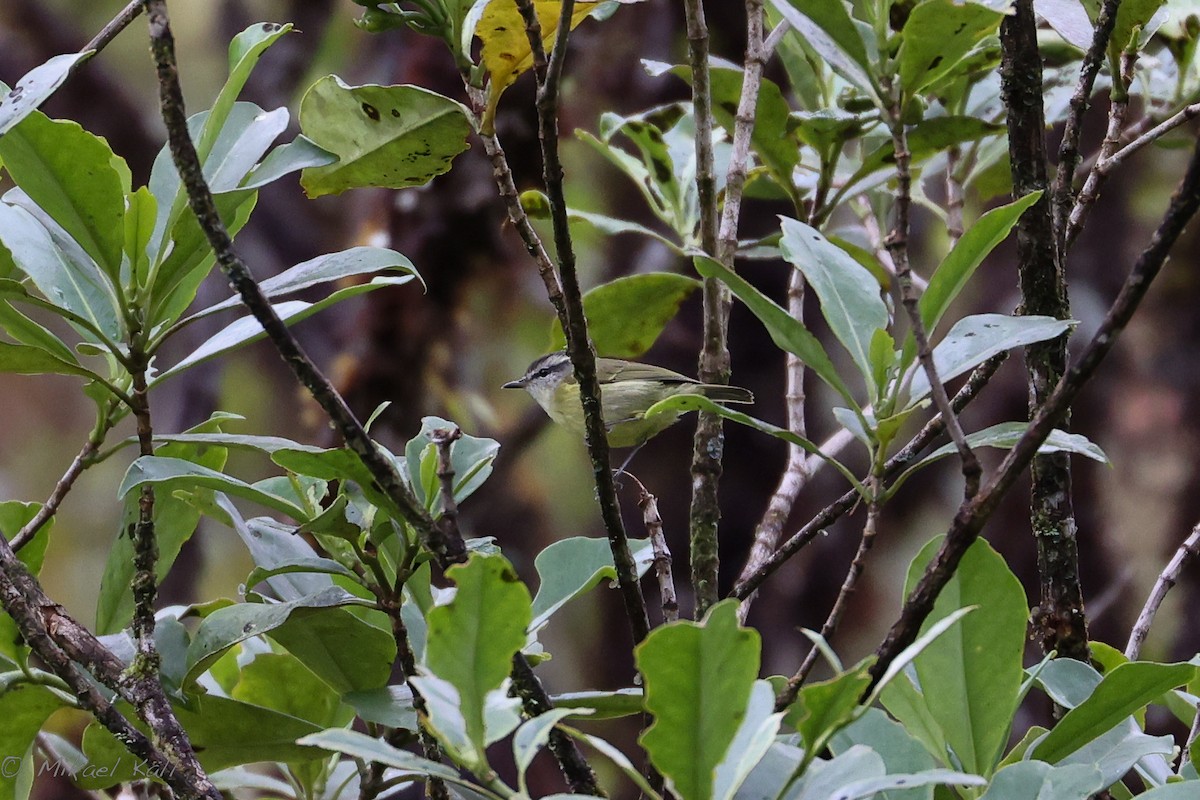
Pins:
x: 485, y: 317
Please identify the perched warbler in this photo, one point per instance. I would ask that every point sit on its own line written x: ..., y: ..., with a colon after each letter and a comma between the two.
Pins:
x: 627, y: 390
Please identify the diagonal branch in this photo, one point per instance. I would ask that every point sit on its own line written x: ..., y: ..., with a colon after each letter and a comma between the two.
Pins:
x: 1186, y: 554
x: 974, y: 514
x: 448, y: 547
x: 748, y: 584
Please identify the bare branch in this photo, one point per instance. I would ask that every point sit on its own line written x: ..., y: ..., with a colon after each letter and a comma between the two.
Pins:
x: 897, y: 245
x: 1186, y: 553
x: 788, y: 695
x: 1068, y: 148
x: 648, y: 503
x: 846, y: 503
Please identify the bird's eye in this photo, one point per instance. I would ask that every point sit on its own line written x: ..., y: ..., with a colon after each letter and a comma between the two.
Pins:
x: 541, y: 373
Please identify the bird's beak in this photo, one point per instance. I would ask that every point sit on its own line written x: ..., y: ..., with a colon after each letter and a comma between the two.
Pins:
x: 517, y: 384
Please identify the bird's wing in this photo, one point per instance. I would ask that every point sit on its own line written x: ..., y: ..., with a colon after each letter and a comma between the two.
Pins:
x: 633, y: 371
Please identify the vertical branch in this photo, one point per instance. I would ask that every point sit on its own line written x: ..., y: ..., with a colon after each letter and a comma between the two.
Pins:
x: 1060, y: 616
x: 796, y: 472
x: 579, y: 344
x: 721, y: 242
x: 709, y: 442
x: 145, y: 543
x: 1068, y: 148
x: 897, y: 246
x: 648, y: 503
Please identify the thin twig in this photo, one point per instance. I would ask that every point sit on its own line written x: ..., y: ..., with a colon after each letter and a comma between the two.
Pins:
x: 648, y: 503
x: 448, y: 549
x: 1112, y: 153
x: 954, y: 196
x: 708, y: 443
x: 1068, y: 148
x: 974, y: 514
x: 1186, y: 553
x: 579, y: 345
x: 797, y: 471
x: 788, y: 695
x: 897, y: 245
x: 844, y: 504
x: 50, y: 507
x: 117, y: 24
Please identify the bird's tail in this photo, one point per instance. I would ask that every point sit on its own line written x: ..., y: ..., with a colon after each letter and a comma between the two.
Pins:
x: 726, y: 394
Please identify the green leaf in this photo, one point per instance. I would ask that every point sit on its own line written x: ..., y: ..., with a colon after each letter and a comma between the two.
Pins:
x: 626, y: 316
x: 390, y: 136
x: 827, y: 28
x: 754, y: 737
x: 68, y: 172
x: 24, y: 359
x: 570, y: 567
x: 694, y: 402
x: 171, y: 472
x: 368, y: 748
x: 822, y: 709
x: 1005, y: 435
x: 901, y: 752
x: 471, y: 640
x: 24, y: 708
x: 698, y: 679
x: 247, y: 330
x: 977, y: 338
x: 971, y: 675
x: 342, y: 265
x: 387, y: 705
x: 224, y: 733
x: 614, y: 227
x: 280, y: 682
x: 71, y: 283
x: 190, y: 258
x: 1037, y: 780
x: 299, y: 154
x: 849, y: 294
x: 349, y: 653
x: 603, y: 705
x: 34, y: 87
x: 20, y: 327
x: 937, y: 36
x: 533, y: 736
x: 1122, y: 692
x: 960, y: 263
x: 1133, y: 16
x: 786, y: 331
x: 771, y: 137
x: 228, y: 626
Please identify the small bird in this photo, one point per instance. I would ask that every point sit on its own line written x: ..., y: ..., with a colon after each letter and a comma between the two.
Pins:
x: 627, y: 390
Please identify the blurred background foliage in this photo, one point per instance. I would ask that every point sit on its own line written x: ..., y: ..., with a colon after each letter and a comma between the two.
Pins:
x: 485, y: 317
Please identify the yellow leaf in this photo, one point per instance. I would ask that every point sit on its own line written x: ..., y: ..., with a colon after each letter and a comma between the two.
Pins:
x: 506, y: 52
